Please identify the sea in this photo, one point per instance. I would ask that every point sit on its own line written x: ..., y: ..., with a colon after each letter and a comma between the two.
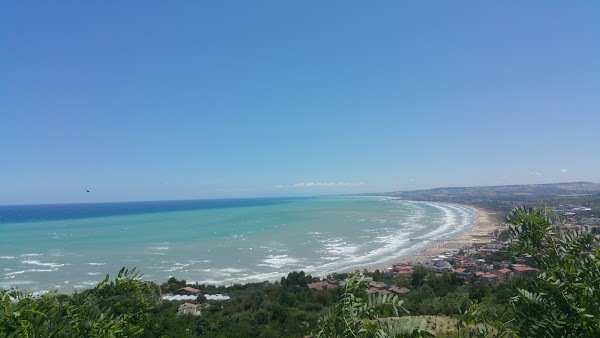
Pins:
x: 74, y: 246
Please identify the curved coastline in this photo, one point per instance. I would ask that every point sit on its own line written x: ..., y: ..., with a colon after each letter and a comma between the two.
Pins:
x: 267, y: 257
x: 479, y: 233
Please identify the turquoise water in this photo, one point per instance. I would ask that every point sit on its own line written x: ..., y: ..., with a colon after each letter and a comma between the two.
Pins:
x: 221, y: 243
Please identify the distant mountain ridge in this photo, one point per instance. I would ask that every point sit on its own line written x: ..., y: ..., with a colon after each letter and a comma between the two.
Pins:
x: 547, y: 189
x: 525, y: 193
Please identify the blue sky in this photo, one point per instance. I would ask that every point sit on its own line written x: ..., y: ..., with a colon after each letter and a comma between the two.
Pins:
x: 150, y: 100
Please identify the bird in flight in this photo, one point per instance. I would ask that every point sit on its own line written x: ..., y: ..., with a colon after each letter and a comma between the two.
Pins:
x: 87, y: 191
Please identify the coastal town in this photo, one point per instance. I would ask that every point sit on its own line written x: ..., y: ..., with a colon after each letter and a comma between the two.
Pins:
x: 479, y: 270
x: 300, y: 169
x: 480, y: 255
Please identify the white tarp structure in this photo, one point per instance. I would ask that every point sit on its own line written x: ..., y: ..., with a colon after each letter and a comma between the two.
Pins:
x: 217, y: 296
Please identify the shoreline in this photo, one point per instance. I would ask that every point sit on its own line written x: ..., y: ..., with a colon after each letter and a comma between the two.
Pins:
x: 479, y: 234
x: 485, y: 223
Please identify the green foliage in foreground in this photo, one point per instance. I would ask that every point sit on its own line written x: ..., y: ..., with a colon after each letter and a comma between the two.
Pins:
x: 563, y: 300
x: 114, y: 308
x: 354, y: 315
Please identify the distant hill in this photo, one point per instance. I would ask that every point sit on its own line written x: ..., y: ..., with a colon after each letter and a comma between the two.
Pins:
x: 502, y: 196
x: 533, y: 190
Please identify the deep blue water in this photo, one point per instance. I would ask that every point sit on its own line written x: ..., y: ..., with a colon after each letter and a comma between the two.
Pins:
x: 48, y: 212
x: 73, y: 246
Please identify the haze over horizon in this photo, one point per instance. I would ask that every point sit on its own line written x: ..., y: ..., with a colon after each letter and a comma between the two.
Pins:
x: 163, y: 101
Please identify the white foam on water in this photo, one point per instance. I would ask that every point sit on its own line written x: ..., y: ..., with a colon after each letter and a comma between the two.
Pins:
x: 227, y: 274
x: 456, y: 219
x: 233, y: 270
x: 382, y: 239
x: 85, y: 284
x: 15, y: 273
x: 363, y: 238
x: 416, y: 215
x: 274, y: 246
x: 331, y: 258
x: 31, y: 255
x: 172, y: 269
x: 42, y: 270
x: 277, y: 261
x: 38, y: 263
x: 29, y: 270
x: 391, y: 243
x: 177, y: 267
x: 337, y: 246
x: 255, y: 277
x: 16, y: 283
x: 340, y: 254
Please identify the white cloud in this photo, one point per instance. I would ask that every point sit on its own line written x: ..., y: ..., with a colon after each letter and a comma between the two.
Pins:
x: 564, y: 171
x: 411, y: 180
x: 535, y: 173
x: 319, y: 184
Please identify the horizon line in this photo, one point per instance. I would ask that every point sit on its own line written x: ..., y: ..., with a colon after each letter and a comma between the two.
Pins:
x: 303, y: 196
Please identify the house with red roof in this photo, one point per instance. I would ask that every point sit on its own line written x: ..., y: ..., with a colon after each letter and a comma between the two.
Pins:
x: 462, y: 272
x: 520, y: 270
x: 403, y: 270
x: 401, y: 290
x: 490, y: 278
x: 504, y: 275
x: 319, y: 286
x: 186, y: 291
x: 378, y: 285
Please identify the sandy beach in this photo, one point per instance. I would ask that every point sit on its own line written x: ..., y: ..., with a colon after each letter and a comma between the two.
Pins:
x: 479, y: 234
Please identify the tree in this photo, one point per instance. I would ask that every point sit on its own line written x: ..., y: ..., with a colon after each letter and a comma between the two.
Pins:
x: 478, y: 290
x: 418, y: 276
x: 296, y: 279
x: 172, y: 284
x: 360, y: 315
x: 564, y: 298
x: 117, y: 307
